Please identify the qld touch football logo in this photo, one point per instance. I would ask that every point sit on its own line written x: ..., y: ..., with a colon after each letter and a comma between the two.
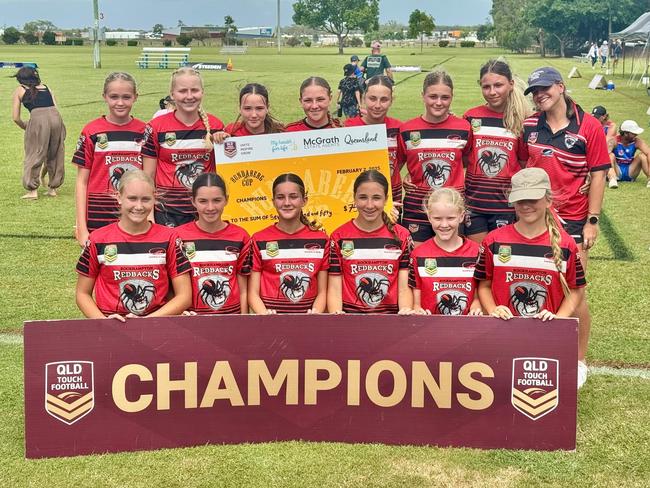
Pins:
x: 69, y: 394
x: 535, y: 388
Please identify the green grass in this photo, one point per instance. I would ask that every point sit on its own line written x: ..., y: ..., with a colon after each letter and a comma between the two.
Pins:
x: 37, y: 267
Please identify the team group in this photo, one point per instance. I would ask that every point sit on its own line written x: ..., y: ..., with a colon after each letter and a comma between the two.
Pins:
x: 478, y: 234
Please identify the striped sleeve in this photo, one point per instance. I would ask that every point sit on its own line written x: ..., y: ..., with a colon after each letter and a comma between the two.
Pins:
x: 84, y: 151
x: 413, y: 281
x: 150, y: 147
x: 244, y: 263
x: 575, y: 273
x: 255, y: 256
x: 325, y: 262
x: 88, y: 265
x: 177, y: 263
x: 407, y: 247
x: 334, y: 257
x: 484, y: 264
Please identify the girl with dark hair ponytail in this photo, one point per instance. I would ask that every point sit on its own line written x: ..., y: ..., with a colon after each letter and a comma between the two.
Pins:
x: 217, y: 250
x: 290, y: 258
x: 370, y: 255
x: 315, y: 99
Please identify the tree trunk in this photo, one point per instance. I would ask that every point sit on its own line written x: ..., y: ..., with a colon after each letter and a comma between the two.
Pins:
x: 421, y: 42
x: 561, y: 49
x: 341, y: 41
x: 542, y: 49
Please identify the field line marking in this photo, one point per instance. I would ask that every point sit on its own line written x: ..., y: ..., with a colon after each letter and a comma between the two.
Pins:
x: 11, y: 339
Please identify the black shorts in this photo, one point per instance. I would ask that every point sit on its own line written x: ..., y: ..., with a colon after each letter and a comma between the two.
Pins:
x: 171, y: 219
x: 477, y: 222
x: 575, y: 229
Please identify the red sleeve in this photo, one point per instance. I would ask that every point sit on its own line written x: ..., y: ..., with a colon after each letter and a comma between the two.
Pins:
x: 325, y: 262
x: 243, y: 263
x: 407, y: 247
x: 150, y: 147
x: 485, y: 264
x: 575, y: 274
x: 401, y: 151
x: 597, y: 153
x: 88, y: 264
x: 177, y: 263
x: 334, y: 256
x: 467, y: 150
x: 84, y: 153
x: 256, y: 256
x: 414, y: 279
x: 522, y: 149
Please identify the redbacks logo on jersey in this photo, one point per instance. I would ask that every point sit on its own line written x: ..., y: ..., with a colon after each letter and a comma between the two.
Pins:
x: 476, y: 124
x: 505, y: 253
x: 170, y: 138
x: 214, y: 290
x: 137, y: 295
x: 535, y: 387
x: 570, y: 140
x: 189, y: 249
x: 69, y: 392
x: 491, y: 161
x: 415, y: 138
x: 110, y: 253
x: 116, y: 172
x: 347, y: 248
x: 102, y: 141
x: 188, y: 172
x: 294, y: 285
x: 436, y: 172
x: 527, y: 298
x: 430, y: 266
x: 451, y: 302
x: 372, y: 288
x: 272, y: 249
x: 532, y: 137
x: 230, y: 149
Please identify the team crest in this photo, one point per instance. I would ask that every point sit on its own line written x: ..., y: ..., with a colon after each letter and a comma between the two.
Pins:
x: 505, y: 253
x: 294, y: 285
x: 532, y: 137
x: 110, y: 253
x: 214, y: 290
x: 451, y: 302
x: 570, y: 140
x: 230, y: 149
x: 189, y: 248
x: 430, y: 266
x: 102, y: 141
x: 476, y: 124
x: 69, y: 392
x: 170, y: 138
x: 137, y: 295
x: 535, y: 387
x: 347, y: 248
x: 372, y: 288
x: 528, y: 299
x: 272, y: 249
x: 413, y: 228
x: 415, y: 138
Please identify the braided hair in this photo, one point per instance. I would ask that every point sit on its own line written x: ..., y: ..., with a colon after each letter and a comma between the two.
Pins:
x: 555, y: 236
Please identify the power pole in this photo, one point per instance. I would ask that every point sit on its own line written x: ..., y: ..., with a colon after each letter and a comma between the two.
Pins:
x: 97, y: 62
x: 277, y: 28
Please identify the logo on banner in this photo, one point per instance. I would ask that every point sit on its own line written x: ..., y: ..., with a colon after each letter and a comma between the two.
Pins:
x: 532, y: 137
x: 430, y: 266
x: 170, y: 138
x: 347, y: 248
x: 230, y: 149
x: 535, y: 388
x: 102, y: 141
x: 272, y: 248
x: 69, y: 392
x: 110, y: 253
x: 189, y: 248
x: 505, y: 253
x: 415, y: 138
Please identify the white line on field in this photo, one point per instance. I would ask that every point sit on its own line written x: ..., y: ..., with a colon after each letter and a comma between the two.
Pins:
x: 17, y: 340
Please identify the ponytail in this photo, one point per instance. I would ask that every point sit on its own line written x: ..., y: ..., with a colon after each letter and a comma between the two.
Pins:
x: 554, y: 234
x: 390, y: 225
x: 311, y: 224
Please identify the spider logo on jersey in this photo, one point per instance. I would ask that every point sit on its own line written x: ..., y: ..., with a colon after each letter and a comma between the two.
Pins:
x: 170, y: 138
x: 136, y: 295
x: 532, y: 137
x: 436, y: 172
x: 116, y: 173
x: 347, y: 248
x: 491, y: 161
x: 189, y: 249
x: 372, y: 288
x: 415, y: 138
x: 110, y: 253
x: 527, y: 298
x: 430, y: 266
x: 188, y: 172
x: 272, y: 249
x: 214, y: 290
x: 451, y: 302
x: 102, y: 141
x: 505, y: 253
x: 294, y: 285
x: 476, y: 124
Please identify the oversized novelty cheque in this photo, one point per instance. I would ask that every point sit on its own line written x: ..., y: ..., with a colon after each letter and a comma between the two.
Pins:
x: 328, y: 161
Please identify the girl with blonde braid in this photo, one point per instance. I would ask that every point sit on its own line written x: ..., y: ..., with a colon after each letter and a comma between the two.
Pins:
x: 530, y: 268
x: 178, y: 148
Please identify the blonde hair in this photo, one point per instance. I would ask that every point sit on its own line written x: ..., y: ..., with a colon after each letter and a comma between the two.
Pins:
x: 135, y: 175
x: 447, y: 195
x: 555, y: 237
x: 187, y: 71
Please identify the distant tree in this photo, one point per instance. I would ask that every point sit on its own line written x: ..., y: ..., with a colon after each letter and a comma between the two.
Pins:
x: 293, y: 41
x: 157, y: 29
x: 484, y: 32
x: 511, y: 27
x: 420, y: 23
x: 49, y: 38
x: 184, y: 39
x: 11, y: 35
x: 36, y: 26
x: 200, y: 35
x: 180, y: 24
x: 338, y: 17
x: 30, y: 37
x: 231, y: 30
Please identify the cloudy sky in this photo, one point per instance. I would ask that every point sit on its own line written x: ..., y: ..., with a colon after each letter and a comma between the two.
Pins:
x: 143, y: 14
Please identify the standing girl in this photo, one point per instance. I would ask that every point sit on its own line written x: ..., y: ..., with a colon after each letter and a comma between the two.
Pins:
x: 44, y: 133
x: 290, y: 258
x: 441, y: 273
x: 129, y: 264
x: 378, y: 98
x: 217, y: 251
x: 493, y: 159
x: 315, y: 98
x: 254, y: 117
x: 433, y: 146
x: 370, y: 255
x: 530, y: 268
x: 108, y: 147
x: 178, y: 148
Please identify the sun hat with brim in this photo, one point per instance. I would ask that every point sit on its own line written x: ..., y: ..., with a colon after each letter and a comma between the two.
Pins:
x: 631, y: 126
x: 529, y: 184
x: 543, y: 77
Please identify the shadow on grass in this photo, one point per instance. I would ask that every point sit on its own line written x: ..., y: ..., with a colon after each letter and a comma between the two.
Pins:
x: 421, y: 72
x: 616, y: 243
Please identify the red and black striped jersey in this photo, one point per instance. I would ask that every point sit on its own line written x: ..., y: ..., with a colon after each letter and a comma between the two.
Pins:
x: 238, y: 129
x: 132, y: 272
x: 182, y: 156
x: 303, y: 124
x: 392, y: 131
x: 107, y: 151
x: 445, y: 279
x: 369, y: 264
x: 492, y: 162
x: 216, y: 259
x: 568, y: 156
x: 523, y: 274
x: 289, y: 265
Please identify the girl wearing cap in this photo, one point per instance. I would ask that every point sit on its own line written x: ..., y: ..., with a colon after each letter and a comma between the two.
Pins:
x: 497, y: 127
x: 609, y: 126
x: 626, y: 162
x: 570, y: 146
x: 530, y: 268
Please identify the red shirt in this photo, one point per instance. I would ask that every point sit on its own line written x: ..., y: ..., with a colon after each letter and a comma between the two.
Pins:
x: 132, y: 272
x: 182, y: 156
x: 301, y: 125
x: 289, y: 265
x: 392, y: 131
x: 238, y: 129
x: 108, y: 151
x: 369, y: 263
x: 523, y: 273
x: 492, y: 162
x: 445, y: 279
x: 216, y: 259
x: 568, y: 156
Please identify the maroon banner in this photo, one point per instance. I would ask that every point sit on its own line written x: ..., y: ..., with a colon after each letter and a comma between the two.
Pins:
x: 95, y: 386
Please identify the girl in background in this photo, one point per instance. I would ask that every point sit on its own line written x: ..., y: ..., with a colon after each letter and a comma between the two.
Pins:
x: 107, y: 149
x: 290, y: 258
x: 315, y: 98
x: 370, y: 255
x: 178, y: 148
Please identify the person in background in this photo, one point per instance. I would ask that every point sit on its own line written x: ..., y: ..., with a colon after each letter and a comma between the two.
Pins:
x: 609, y: 126
x: 349, y: 95
x: 630, y: 155
x: 166, y: 105
x: 593, y: 54
x: 617, y: 51
x: 376, y: 63
x: 604, y: 52
x: 354, y: 61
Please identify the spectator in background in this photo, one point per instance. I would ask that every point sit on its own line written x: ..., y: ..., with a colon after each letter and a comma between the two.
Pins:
x: 609, y: 126
x: 617, y: 50
x: 349, y: 97
x: 166, y: 105
x: 604, y: 52
x: 354, y: 61
x: 630, y: 155
x: 593, y: 55
x: 376, y: 63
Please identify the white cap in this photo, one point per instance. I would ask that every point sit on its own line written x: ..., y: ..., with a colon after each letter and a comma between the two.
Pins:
x: 604, y: 42
x: 631, y: 126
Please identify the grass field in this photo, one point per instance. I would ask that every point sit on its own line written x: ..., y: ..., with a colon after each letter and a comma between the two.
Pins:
x: 38, y: 257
